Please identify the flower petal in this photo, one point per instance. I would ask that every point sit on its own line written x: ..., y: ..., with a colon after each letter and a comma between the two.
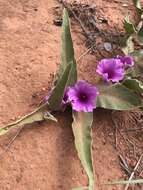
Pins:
x: 111, y: 69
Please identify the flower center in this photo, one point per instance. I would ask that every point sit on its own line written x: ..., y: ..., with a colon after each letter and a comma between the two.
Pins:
x: 110, y: 72
x: 83, y: 97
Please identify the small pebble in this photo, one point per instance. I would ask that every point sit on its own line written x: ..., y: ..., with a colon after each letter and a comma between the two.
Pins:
x: 43, y: 89
x: 125, y: 5
x: 57, y: 22
x: 108, y: 46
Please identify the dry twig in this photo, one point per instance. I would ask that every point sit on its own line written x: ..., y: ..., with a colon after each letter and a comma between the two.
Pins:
x: 85, y: 53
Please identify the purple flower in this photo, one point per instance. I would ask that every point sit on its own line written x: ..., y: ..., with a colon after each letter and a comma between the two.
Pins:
x: 128, y: 60
x: 83, y: 96
x: 111, y: 69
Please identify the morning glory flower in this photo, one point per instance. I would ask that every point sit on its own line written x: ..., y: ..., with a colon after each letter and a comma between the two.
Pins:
x: 128, y: 60
x: 111, y: 69
x: 83, y: 96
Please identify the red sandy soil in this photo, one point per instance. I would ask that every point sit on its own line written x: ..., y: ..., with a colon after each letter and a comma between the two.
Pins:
x: 43, y: 156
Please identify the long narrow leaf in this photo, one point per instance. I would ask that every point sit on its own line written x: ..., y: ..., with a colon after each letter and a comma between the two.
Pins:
x: 67, y: 75
x: 39, y: 114
x: 67, y: 50
x: 81, y: 126
x: 57, y: 93
x: 67, y: 55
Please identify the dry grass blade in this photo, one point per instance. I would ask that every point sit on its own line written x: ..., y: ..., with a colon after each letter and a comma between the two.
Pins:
x: 124, y: 165
x: 85, y: 53
x: 11, y: 141
x: 133, y: 173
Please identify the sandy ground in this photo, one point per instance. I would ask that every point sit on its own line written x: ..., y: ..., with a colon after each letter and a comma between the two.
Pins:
x: 43, y: 156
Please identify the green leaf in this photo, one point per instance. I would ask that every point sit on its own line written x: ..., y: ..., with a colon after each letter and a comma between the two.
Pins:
x: 82, y: 126
x: 138, y: 67
x: 67, y: 75
x: 57, y: 93
x: 117, y: 97
x: 123, y: 182
x: 128, y: 25
x: 133, y: 84
x: 67, y: 54
x: 129, y: 48
x: 140, y: 35
x: 138, y: 6
x: 72, y: 79
x: 39, y: 114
